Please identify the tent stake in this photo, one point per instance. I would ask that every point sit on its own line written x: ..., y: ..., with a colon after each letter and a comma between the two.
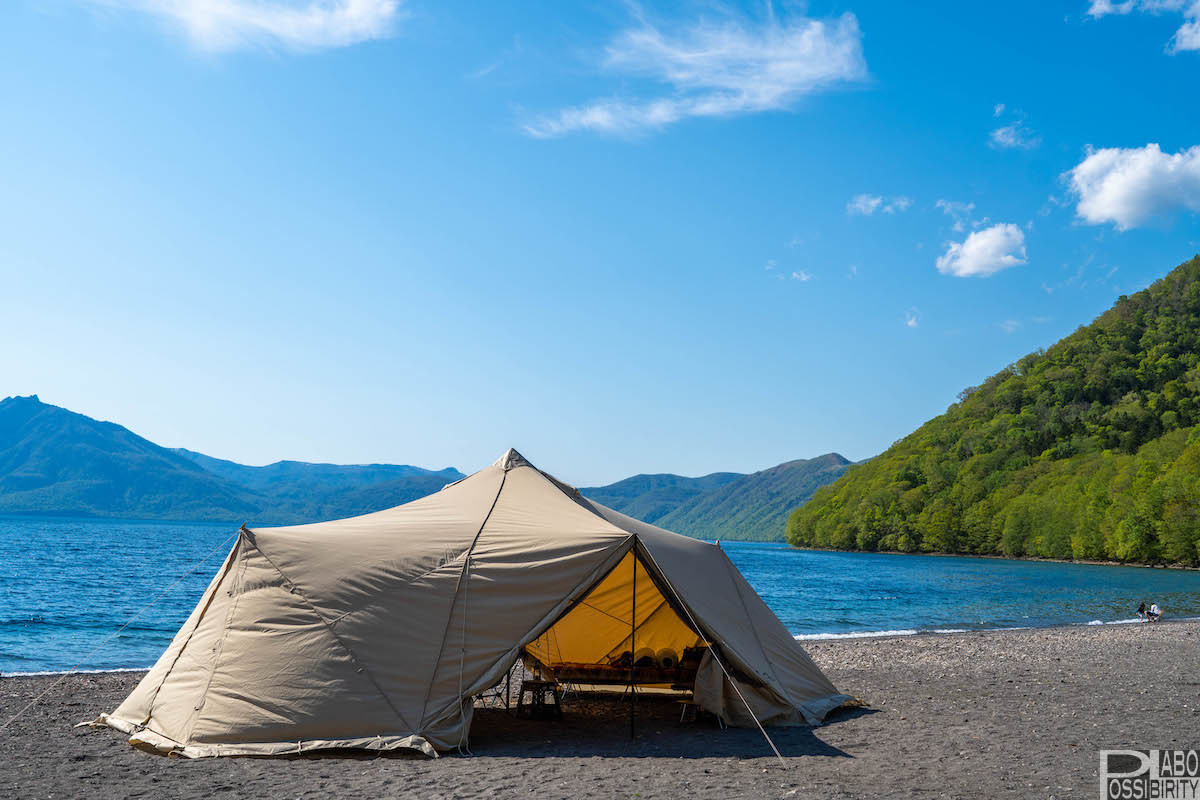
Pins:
x: 633, y: 651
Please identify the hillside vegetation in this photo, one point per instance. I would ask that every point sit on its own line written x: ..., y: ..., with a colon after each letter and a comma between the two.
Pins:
x: 1087, y: 450
x: 724, y: 505
x: 651, y: 497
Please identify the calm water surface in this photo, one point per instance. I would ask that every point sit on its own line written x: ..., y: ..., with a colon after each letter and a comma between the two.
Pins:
x: 66, y: 584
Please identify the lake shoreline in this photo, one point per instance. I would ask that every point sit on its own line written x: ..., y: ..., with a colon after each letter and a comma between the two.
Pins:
x: 1029, y: 559
x: 817, y: 638
x: 1018, y: 713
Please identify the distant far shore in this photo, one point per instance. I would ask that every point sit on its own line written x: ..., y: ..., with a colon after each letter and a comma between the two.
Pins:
x: 1003, y: 558
x: 80, y: 516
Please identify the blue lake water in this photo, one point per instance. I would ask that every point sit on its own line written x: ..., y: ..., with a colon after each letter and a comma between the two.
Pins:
x: 66, y: 584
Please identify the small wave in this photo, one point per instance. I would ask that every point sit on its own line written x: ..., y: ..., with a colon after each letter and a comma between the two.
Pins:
x: 82, y: 671
x: 909, y: 632
x: 856, y: 635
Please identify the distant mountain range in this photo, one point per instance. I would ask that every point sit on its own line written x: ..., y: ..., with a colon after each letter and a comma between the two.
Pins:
x: 723, y: 505
x: 55, y: 461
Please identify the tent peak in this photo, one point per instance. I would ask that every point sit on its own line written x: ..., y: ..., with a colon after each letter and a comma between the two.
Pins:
x: 512, y: 459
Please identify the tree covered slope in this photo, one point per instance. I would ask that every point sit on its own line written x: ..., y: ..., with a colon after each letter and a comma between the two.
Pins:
x: 651, y: 497
x: 755, y: 507
x: 1088, y: 450
x: 724, y: 505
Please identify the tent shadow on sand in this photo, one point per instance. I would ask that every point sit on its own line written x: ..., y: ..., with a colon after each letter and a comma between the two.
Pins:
x: 602, y: 730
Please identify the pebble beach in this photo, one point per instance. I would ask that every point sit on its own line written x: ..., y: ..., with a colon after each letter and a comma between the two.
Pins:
x: 1020, y: 713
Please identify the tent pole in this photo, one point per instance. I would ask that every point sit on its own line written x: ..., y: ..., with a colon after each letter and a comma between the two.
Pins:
x: 633, y: 651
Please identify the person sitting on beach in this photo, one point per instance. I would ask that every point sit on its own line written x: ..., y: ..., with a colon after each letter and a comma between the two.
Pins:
x: 1154, y: 613
x: 1142, y: 611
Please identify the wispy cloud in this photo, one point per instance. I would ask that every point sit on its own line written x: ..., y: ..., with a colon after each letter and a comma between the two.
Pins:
x: 802, y: 276
x: 716, y: 68
x: 1011, y: 326
x: 957, y: 211
x: 294, y: 24
x: 1128, y: 186
x: 515, y: 49
x: 1015, y: 135
x: 984, y: 252
x: 868, y: 204
x: 912, y: 317
x: 1187, y: 37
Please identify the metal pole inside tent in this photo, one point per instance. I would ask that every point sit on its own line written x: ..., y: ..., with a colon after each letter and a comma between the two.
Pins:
x: 633, y: 653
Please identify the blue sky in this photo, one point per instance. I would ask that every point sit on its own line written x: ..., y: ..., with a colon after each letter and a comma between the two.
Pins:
x: 622, y: 238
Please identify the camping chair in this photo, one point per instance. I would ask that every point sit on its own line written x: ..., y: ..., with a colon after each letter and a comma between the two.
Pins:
x: 499, y: 695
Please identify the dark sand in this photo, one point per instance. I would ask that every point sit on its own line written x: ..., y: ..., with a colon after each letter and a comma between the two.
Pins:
x: 1000, y: 714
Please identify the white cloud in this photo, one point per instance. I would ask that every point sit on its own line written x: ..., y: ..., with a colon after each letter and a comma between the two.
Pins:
x: 984, y: 252
x: 1014, y: 136
x: 717, y: 68
x: 868, y: 204
x: 296, y: 24
x: 865, y: 204
x: 1188, y: 35
x: 802, y: 276
x: 912, y: 318
x: 1100, y: 8
x: 1010, y: 325
x: 1127, y: 186
x: 959, y: 212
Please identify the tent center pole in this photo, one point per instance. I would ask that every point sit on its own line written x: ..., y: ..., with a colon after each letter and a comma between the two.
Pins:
x: 633, y: 653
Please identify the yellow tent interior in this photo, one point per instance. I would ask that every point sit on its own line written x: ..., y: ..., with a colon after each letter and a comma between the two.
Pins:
x: 597, y: 630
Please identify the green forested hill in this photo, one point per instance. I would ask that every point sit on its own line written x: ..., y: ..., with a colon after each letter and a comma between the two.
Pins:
x: 650, y: 497
x: 724, y: 505
x: 754, y: 507
x: 1088, y: 450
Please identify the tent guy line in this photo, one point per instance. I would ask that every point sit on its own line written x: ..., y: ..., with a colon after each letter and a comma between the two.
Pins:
x: 117, y: 632
x: 721, y: 664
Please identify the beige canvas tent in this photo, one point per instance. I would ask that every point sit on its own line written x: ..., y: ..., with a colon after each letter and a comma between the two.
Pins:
x: 377, y: 631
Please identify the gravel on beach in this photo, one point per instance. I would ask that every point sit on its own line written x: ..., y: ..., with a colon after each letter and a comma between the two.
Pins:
x: 1019, y: 714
